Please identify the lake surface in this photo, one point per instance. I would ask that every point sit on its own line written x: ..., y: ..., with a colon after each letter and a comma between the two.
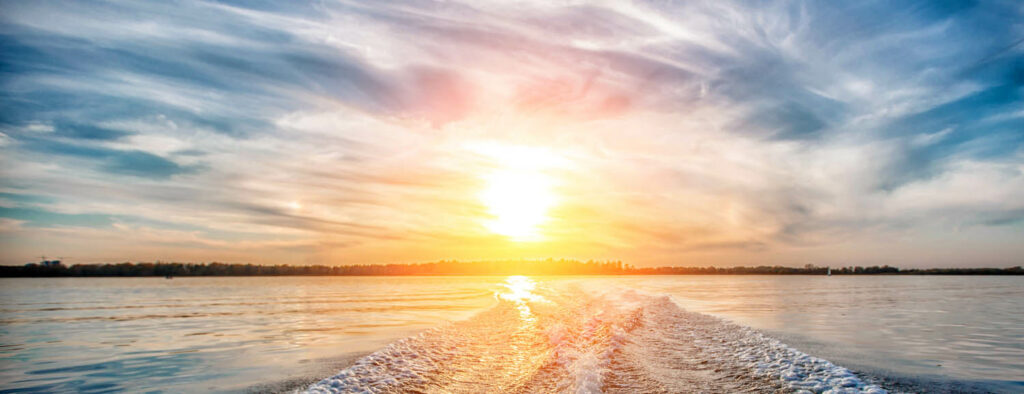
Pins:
x: 909, y: 333
x: 953, y: 332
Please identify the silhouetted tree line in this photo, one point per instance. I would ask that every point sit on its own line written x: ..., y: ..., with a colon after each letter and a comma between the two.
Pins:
x: 813, y: 270
x: 54, y: 268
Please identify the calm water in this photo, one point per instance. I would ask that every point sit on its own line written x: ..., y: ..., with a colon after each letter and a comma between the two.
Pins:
x: 240, y: 334
x: 221, y: 334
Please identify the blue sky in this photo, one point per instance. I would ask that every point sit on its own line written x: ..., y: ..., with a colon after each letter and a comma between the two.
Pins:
x: 683, y: 133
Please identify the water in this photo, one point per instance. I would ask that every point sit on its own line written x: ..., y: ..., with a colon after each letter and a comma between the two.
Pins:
x: 211, y: 334
x: 965, y: 327
x: 948, y: 333
x: 610, y: 334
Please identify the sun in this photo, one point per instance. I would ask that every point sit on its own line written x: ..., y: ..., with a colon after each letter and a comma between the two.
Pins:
x: 518, y: 201
x: 519, y: 188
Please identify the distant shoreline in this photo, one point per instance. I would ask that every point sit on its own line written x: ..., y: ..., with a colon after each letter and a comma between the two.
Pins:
x: 54, y: 268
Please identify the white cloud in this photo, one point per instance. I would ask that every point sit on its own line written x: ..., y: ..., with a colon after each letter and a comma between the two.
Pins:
x: 677, y: 128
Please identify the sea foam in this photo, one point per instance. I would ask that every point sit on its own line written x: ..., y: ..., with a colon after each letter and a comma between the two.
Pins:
x: 585, y: 340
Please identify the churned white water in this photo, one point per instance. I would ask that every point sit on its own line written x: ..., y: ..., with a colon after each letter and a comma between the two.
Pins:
x: 576, y: 337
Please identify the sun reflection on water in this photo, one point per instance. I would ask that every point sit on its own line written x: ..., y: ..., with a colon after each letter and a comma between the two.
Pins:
x: 519, y: 290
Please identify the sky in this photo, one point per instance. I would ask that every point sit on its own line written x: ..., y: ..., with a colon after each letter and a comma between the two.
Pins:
x: 687, y: 133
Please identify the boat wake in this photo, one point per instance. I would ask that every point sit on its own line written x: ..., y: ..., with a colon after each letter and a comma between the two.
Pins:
x: 576, y: 338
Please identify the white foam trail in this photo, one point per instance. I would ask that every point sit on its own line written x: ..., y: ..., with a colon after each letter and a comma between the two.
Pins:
x: 569, y: 339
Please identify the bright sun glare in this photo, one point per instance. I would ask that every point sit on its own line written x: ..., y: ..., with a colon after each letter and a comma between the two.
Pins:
x: 518, y: 195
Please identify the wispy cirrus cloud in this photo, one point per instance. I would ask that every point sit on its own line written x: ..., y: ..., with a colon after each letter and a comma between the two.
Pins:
x: 696, y: 133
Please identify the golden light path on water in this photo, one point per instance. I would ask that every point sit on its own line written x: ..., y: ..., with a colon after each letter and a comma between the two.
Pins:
x: 519, y: 291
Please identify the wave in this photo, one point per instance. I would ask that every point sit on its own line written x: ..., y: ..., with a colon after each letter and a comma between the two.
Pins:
x: 575, y: 338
